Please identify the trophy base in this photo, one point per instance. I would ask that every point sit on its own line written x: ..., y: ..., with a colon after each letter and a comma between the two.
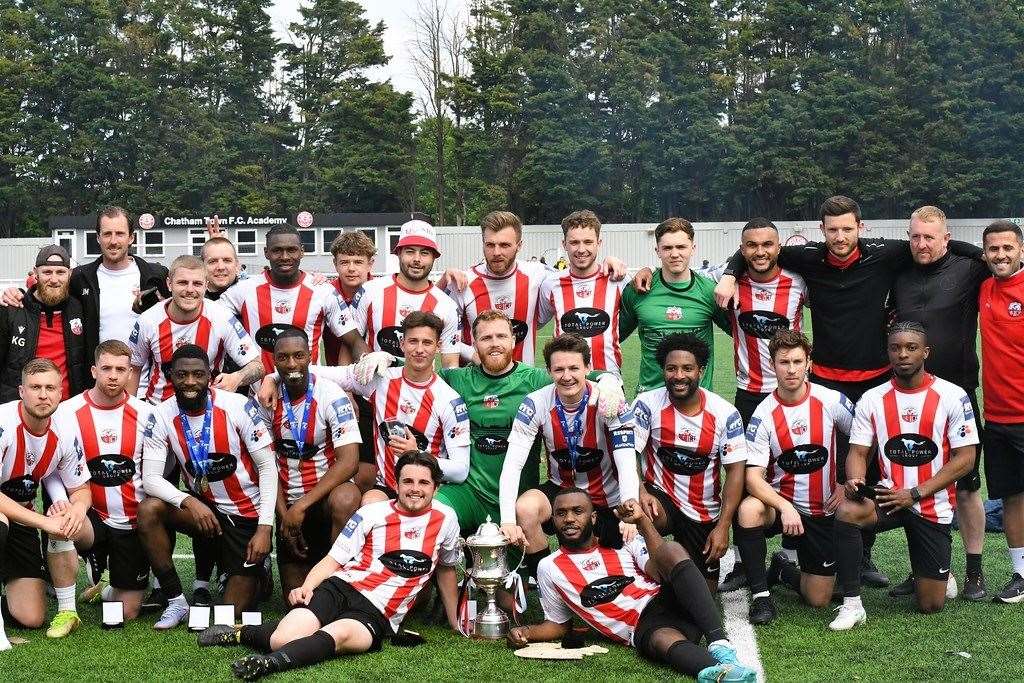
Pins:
x: 491, y: 626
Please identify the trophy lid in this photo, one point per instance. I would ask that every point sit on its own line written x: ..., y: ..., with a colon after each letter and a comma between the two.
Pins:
x: 487, y: 535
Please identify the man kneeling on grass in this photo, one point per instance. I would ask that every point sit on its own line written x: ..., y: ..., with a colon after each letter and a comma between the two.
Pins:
x: 359, y: 594
x: 649, y: 594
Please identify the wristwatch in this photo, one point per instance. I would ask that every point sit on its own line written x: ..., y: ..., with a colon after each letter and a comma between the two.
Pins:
x: 915, y: 494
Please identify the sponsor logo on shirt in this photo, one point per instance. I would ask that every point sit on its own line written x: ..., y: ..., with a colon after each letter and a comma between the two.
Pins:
x: 239, y: 330
x: 604, y: 590
x: 964, y: 430
x: 343, y: 410
x: 134, y: 337
x: 965, y: 403
x: 461, y: 411
x: 586, y: 322
x: 643, y: 415
x: 734, y: 427
x: 350, y: 528
x: 762, y: 324
x: 526, y: 411
x: 846, y: 403
x: 111, y: 470
x: 910, y: 449
x: 803, y: 459
x: 150, y: 424
x: 752, y: 427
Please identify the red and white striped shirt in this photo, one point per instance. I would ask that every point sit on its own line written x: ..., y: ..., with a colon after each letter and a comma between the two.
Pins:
x: 916, y: 429
x: 516, y: 294
x: 605, y: 462
x: 382, y: 304
x: 765, y: 308
x: 111, y: 439
x: 796, y: 444
x: 236, y: 430
x: 27, y: 458
x: 388, y: 554
x: 157, y: 336
x: 433, y: 412
x: 608, y: 589
x: 264, y: 307
x: 683, y: 454
x: 588, y: 307
x: 331, y: 424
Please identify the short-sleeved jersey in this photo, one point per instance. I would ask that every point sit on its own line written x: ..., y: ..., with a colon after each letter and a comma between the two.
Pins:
x: 594, y: 468
x: 111, y: 441
x: 1001, y: 318
x: 765, y: 308
x: 157, y: 336
x: 516, y: 294
x: 796, y: 444
x: 380, y: 306
x: 492, y: 401
x: 26, y: 458
x: 588, y: 307
x: 666, y: 309
x: 388, y: 554
x: 916, y: 429
x: 236, y: 430
x: 608, y: 589
x: 331, y: 423
x: 264, y: 308
x: 683, y: 454
x: 434, y: 414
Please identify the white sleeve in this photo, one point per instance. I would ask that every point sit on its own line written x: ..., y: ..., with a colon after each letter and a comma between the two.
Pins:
x: 138, y: 342
x: 555, y: 609
x: 961, y: 429
x: 266, y: 469
x: 239, y: 345
x: 759, y: 442
x: 734, y: 445
x: 352, y: 537
x: 862, y: 433
x: 54, y: 488
x: 337, y: 314
x: 232, y: 298
x: 842, y: 414
x: 360, y: 310
x: 71, y: 466
x: 154, y: 460
x: 344, y: 376
x: 520, y: 441
x: 451, y: 335
x: 545, y: 301
x: 451, y: 543
x: 454, y: 419
x: 623, y: 442
x: 642, y: 422
x: 340, y: 418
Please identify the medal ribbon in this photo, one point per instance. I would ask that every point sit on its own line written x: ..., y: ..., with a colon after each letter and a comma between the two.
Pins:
x: 199, y: 452
x: 573, y: 435
x: 299, y: 430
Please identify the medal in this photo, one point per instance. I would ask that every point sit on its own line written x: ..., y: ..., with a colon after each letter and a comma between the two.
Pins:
x: 299, y: 429
x: 574, y: 434
x: 199, y: 452
x: 204, y: 484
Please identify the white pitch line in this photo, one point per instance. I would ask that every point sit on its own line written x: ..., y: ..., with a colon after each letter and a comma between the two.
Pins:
x: 741, y: 632
x: 179, y: 556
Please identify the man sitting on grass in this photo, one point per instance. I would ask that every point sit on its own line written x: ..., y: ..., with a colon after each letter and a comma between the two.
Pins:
x: 359, y: 594
x: 649, y: 594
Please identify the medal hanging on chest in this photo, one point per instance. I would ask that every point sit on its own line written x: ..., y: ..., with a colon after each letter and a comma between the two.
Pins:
x: 298, y: 428
x: 199, y: 453
x: 573, y: 433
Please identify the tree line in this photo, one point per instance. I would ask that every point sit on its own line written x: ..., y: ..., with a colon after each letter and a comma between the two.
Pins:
x: 640, y: 110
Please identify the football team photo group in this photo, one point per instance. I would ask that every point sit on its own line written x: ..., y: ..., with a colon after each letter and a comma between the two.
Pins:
x: 337, y: 459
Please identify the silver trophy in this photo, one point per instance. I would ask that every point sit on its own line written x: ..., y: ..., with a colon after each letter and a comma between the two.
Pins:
x: 488, y: 548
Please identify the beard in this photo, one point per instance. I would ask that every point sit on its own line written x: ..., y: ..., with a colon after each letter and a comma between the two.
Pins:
x: 191, y: 404
x: 495, y: 364
x: 53, y: 296
x: 585, y: 538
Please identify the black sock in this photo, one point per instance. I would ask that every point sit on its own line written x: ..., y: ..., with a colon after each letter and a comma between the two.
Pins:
x: 689, y: 658
x: 868, y: 537
x: 205, y: 553
x: 790, y: 575
x: 533, y: 559
x: 753, y: 551
x: 973, y: 564
x: 849, y: 553
x: 790, y: 542
x: 691, y: 589
x: 313, y: 649
x: 170, y: 584
x: 258, y: 637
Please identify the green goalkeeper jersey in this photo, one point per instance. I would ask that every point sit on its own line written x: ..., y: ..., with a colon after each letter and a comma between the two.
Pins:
x: 493, y: 401
x: 669, y: 308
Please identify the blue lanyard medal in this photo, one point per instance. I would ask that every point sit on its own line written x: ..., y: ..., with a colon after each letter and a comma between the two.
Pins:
x: 573, y: 435
x: 199, y: 453
x: 298, y: 429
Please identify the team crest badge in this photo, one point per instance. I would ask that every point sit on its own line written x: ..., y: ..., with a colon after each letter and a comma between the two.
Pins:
x: 909, y: 415
x: 673, y: 313
x: 404, y: 310
x: 179, y: 342
x: 108, y: 436
x: 407, y: 407
x: 503, y: 303
x: 412, y: 533
x: 282, y: 306
x: 762, y: 294
x: 687, y: 435
x: 1014, y: 309
x: 76, y: 326
x: 584, y: 292
x: 799, y: 427
x: 30, y: 458
x: 491, y: 401
x: 591, y: 564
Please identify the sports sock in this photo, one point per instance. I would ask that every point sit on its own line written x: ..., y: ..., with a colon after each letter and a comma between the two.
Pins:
x: 313, y: 649
x: 761, y: 594
x: 853, y: 602
x: 691, y: 590
x: 4, y: 643
x: 868, y: 539
x: 790, y: 575
x: 258, y: 637
x: 791, y: 554
x: 170, y: 584
x: 107, y: 593
x: 753, y: 550
x: 197, y: 584
x: 205, y: 553
x: 65, y: 598
x: 973, y: 564
x: 156, y: 583
x: 533, y: 559
x: 689, y: 658
x: 849, y: 553
x: 1017, y: 558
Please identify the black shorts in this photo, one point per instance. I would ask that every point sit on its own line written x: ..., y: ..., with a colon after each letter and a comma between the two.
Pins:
x: 746, y: 403
x: 336, y: 599
x: 232, y: 545
x: 127, y: 561
x: 816, y: 547
x: 930, y: 544
x: 606, y: 529
x: 1004, y: 459
x: 364, y: 413
x: 316, y: 530
x: 972, y: 480
x: 689, y: 533
x: 22, y: 558
x: 663, y: 611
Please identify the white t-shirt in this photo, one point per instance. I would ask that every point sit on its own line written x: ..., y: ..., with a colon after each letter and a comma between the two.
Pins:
x: 117, y: 319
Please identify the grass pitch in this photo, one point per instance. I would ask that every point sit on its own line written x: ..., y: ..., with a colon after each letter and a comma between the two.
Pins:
x: 896, y: 644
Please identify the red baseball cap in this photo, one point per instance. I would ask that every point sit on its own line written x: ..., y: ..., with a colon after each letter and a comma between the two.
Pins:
x: 417, y: 233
